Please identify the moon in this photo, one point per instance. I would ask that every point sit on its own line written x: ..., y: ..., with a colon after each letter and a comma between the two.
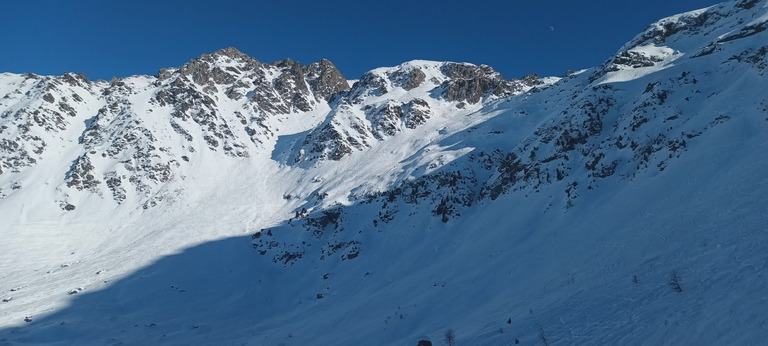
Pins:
x: 551, y: 28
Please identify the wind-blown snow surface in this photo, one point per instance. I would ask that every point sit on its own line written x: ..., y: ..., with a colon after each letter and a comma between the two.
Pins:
x: 429, y: 196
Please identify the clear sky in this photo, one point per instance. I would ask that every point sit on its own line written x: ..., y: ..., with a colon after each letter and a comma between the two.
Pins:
x: 106, y: 38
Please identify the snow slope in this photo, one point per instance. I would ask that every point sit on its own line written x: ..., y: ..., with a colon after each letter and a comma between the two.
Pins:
x: 235, y: 202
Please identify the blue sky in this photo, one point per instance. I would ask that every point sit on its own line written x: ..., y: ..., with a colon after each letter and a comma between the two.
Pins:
x: 119, y: 38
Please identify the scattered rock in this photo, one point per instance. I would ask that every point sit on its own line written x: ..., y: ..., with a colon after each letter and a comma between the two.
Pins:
x: 76, y: 291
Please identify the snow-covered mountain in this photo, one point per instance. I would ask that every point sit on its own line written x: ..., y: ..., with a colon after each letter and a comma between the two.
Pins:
x: 233, y: 201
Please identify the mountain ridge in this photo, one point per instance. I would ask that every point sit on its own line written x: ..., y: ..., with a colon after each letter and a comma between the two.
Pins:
x: 423, y: 197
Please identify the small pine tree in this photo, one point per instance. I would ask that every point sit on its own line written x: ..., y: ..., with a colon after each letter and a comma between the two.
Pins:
x: 543, y: 336
x: 449, y: 337
x: 674, y: 282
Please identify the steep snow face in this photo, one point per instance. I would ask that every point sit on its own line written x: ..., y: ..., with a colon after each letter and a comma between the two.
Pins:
x: 231, y: 201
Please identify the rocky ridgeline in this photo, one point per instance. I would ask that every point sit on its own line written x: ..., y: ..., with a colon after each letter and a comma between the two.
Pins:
x: 139, y: 131
x: 469, y: 83
x: 388, y: 100
x: 136, y: 134
x: 260, y: 90
x: 223, y: 100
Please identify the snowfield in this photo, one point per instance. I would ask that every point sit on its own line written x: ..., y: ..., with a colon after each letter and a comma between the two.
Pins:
x: 230, y: 201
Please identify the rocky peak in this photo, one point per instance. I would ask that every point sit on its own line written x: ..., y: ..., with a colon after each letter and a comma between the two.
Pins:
x: 471, y: 83
x: 221, y: 67
x: 408, y: 78
x: 324, y: 79
x: 370, y: 84
x: 288, y: 63
x: 232, y: 53
x: 229, y: 54
x: 532, y: 79
x: 455, y: 70
x: 280, y: 87
x: 78, y: 79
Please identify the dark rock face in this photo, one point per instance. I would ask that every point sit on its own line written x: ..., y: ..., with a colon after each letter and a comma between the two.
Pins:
x: 747, y: 4
x: 471, y: 83
x: 746, y: 31
x: 415, y: 78
x: 634, y: 60
x: 296, y: 88
x: 408, y: 79
x: 370, y: 84
x: 417, y: 113
x: 757, y: 58
x: 385, y: 120
x: 532, y: 80
x: 330, y: 143
x: 322, y: 229
x: 324, y: 79
x: 233, y: 53
x: 81, y: 177
x: 292, y: 87
x: 15, y: 156
x: 268, y: 98
x: 114, y: 183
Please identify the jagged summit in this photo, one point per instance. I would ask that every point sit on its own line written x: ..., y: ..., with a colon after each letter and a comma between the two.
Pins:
x: 231, y: 52
x: 457, y: 81
x: 229, y: 66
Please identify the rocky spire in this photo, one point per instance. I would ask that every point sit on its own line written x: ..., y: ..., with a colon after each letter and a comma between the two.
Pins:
x: 325, y: 79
